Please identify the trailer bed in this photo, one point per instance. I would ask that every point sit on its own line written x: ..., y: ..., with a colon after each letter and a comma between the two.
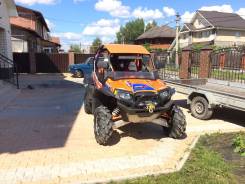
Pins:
x: 217, y: 93
x: 215, y: 86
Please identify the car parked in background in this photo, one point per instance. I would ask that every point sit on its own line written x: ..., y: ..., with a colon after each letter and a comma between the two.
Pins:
x: 83, y: 69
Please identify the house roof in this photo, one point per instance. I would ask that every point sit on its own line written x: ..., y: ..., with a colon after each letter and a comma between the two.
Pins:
x: 158, y: 32
x: 37, y: 13
x: 224, y: 20
x: 55, y: 40
x: 12, y: 8
x: 126, y: 49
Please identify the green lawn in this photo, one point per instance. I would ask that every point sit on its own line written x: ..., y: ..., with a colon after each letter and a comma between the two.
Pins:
x: 204, y: 166
x: 228, y: 75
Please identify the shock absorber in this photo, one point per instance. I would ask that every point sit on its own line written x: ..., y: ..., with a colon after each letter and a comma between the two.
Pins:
x: 116, y: 112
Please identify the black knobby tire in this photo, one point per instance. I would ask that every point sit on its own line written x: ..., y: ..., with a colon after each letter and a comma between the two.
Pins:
x: 200, y: 109
x: 87, y: 104
x: 102, y: 125
x: 79, y: 74
x: 178, y: 124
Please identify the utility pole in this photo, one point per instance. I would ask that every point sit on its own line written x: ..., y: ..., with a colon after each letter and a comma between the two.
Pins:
x: 177, y: 40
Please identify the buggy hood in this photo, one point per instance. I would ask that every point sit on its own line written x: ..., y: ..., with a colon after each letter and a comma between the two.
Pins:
x: 136, y: 85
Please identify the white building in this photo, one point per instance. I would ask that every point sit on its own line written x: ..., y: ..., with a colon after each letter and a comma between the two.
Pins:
x: 7, y: 9
x: 213, y: 28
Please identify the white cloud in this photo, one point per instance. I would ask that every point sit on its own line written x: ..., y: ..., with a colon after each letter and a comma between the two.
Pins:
x: 77, y: 1
x: 50, y: 24
x: 169, y: 11
x: 187, y: 16
x: 241, y: 12
x: 147, y: 13
x: 102, y: 28
x: 114, y: 7
x: 68, y: 36
x: 32, y: 2
x: 222, y: 8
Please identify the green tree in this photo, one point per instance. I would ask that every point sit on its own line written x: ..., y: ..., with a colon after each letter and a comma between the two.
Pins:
x: 150, y: 25
x: 95, y: 45
x: 75, y: 48
x: 130, y: 31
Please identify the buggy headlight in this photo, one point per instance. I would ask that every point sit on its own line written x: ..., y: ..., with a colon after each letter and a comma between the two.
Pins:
x: 124, y: 95
x: 164, y: 95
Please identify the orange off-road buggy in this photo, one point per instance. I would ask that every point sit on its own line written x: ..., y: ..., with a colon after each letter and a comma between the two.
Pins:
x: 125, y: 88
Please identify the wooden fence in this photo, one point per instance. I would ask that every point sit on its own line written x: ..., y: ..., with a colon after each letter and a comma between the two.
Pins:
x: 48, y: 63
x: 22, y: 61
x: 52, y: 63
x: 81, y: 58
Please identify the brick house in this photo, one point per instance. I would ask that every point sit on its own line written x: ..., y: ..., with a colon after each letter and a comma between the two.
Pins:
x: 52, y: 45
x: 7, y: 9
x: 30, y: 32
x: 157, y: 37
x: 213, y: 28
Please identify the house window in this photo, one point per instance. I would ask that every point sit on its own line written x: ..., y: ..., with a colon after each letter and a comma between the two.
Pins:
x: 238, y: 34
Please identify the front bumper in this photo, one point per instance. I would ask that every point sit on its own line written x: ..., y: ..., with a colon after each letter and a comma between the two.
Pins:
x: 136, y: 115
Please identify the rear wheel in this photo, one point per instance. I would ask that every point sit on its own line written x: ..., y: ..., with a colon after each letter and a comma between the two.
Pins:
x: 200, y: 109
x: 79, y: 73
x: 177, y: 125
x: 102, y: 125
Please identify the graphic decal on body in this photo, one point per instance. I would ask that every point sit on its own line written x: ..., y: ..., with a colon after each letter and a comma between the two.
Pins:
x: 139, y: 87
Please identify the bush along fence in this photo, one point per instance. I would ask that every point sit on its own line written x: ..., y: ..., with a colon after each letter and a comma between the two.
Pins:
x: 47, y: 63
x: 224, y: 64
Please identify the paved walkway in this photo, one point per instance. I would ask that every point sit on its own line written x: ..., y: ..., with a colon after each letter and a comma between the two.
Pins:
x: 45, y: 137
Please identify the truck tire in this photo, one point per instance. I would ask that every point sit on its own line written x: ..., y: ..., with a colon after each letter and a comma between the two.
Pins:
x: 79, y: 74
x: 102, y: 125
x: 200, y: 109
x: 178, y: 124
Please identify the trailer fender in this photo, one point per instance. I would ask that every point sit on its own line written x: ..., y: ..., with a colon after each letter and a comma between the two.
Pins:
x: 210, y: 98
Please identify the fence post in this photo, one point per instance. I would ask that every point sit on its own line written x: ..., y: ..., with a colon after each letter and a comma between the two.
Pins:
x: 243, y: 62
x: 205, y: 62
x: 184, y: 65
x: 71, y: 58
x: 32, y: 59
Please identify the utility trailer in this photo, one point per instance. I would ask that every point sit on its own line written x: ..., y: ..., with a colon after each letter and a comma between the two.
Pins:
x: 204, y: 95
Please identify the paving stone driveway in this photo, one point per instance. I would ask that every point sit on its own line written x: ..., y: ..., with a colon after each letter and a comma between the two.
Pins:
x: 45, y: 137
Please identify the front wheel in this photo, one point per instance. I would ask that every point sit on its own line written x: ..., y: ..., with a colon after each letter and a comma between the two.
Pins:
x: 177, y: 124
x: 102, y: 125
x: 200, y: 109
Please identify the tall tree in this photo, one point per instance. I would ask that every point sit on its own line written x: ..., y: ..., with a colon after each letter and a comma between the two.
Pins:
x: 131, y: 31
x: 95, y: 45
x: 150, y: 25
x: 75, y: 48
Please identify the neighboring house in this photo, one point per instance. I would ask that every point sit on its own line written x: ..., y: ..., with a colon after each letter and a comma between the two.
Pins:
x: 52, y: 46
x: 7, y: 9
x: 213, y: 28
x: 30, y: 32
x: 157, y: 37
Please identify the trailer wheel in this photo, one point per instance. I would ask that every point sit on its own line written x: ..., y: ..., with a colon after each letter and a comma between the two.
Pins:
x: 177, y: 124
x: 102, y: 125
x: 200, y: 109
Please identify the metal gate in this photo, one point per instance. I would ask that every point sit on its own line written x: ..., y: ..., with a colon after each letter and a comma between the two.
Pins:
x: 167, y: 68
x: 228, y: 64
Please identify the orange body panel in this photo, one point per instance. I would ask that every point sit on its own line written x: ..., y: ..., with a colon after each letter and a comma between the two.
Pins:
x: 127, y: 85
x: 126, y: 49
